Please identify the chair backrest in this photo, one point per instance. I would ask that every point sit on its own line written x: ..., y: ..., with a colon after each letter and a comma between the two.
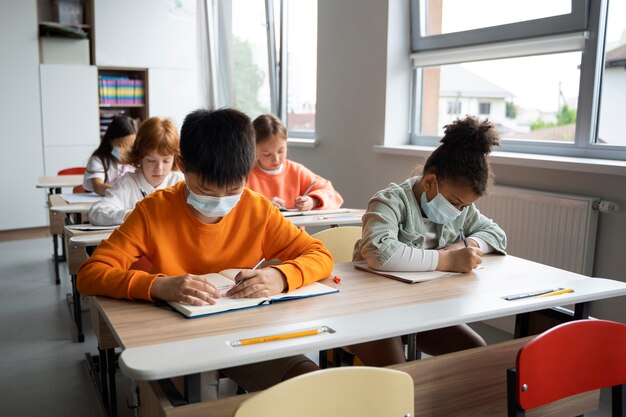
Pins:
x: 72, y: 171
x: 340, y: 241
x: 346, y: 392
x: 569, y: 359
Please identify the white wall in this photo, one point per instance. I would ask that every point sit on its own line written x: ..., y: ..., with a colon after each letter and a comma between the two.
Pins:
x: 22, y: 205
x: 352, y: 76
x: 613, y: 103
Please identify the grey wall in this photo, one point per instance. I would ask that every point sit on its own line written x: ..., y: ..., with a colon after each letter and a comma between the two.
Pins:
x: 352, y: 103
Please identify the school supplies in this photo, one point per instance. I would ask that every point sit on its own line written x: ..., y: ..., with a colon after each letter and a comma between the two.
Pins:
x: 530, y: 294
x: 559, y: 292
x: 283, y: 336
x: 410, y: 277
x: 296, y: 212
x: 81, y: 198
x: 308, y: 189
x: 253, y: 268
x: 462, y: 234
x: 225, y: 280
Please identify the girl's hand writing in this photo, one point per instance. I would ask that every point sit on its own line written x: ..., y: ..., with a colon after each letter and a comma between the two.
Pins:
x: 278, y: 202
x: 189, y: 289
x: 306, y: 203
x: 258, y: 283
x: 459, y: 260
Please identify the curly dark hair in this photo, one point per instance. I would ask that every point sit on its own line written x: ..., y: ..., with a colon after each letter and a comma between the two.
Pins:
x: 462, y: 155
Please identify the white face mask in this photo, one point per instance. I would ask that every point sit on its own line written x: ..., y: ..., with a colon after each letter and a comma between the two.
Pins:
x: 213, y: 206
x: 439, y: 210
x: 116, y: 153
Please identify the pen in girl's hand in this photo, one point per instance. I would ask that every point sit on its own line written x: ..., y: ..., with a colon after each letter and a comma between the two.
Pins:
x: 462, y: 233
x: 308, y: 189
x: 253, y: 268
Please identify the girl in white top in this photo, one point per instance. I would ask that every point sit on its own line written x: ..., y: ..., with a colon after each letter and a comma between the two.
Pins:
x: 154, y: 155
x: 106, y: 163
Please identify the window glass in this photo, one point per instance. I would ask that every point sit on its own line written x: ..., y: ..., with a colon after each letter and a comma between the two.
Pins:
x: 301, y: 66
x: 531, y: 97
x: 613, y: 91
x: 250, y: 57
x: 450, y: 16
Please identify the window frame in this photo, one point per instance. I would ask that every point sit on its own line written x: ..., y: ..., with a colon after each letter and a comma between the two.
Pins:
x: 587, y: 20
x: 278, y: 64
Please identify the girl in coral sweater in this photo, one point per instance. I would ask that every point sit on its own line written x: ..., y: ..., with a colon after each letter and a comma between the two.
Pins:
x: 286, y: 183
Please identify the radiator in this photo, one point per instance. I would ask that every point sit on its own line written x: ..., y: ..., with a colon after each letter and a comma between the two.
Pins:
x: 553, y: 229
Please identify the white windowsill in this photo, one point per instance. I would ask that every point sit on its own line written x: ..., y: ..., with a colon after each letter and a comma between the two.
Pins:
x: 563, y: 163
x: 302, y: 142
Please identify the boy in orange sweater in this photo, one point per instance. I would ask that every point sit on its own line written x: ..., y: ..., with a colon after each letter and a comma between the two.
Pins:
x: 286, y: 183
x: 206, y: 224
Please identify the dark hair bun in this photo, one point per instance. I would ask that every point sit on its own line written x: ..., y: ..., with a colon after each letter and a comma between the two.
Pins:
x: 472, y: 135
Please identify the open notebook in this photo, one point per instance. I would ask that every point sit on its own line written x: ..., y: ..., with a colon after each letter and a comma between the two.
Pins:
x: 411, y: 277
x: 224, y: 280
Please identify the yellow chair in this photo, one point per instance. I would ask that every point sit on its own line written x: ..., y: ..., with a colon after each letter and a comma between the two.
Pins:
x: 340, y: 241
x: 341, y: 392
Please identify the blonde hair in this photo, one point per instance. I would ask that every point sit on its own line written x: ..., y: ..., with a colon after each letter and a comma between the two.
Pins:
x: 155, y: 134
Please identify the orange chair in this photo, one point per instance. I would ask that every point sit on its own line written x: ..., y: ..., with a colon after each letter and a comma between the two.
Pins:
x: 566, y: 360
x: 74, y: 171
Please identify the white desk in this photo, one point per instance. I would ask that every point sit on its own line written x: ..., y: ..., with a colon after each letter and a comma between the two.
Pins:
x: 55, y: 182
x: 368, y: 307
x: 348, y: 217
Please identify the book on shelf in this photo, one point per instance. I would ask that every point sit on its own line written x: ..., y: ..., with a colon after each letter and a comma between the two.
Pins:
x: 405, y: 276
x: 225, y: 280
x: 120, y: 90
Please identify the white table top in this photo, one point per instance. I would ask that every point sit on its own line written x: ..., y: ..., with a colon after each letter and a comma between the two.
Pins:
x: 413, y: 308
x: 350, y: 216
x: 59, y: 181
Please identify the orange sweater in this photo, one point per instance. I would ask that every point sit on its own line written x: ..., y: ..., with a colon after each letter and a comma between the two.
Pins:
x: 163, y: 229
x: 292, y: 183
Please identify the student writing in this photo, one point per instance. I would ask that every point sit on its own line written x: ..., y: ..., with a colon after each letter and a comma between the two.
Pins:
x: 417, y: 226
x: 206, y: 224
x: 106, y: 166
x: 154, y: 157
x: 283, y: 181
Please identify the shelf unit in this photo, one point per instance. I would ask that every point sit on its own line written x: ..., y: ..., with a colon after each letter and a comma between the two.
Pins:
x: 123, y: 100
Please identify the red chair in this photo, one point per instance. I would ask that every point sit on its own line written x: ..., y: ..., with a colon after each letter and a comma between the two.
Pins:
x: 569, y: 359
x: 74, y: 171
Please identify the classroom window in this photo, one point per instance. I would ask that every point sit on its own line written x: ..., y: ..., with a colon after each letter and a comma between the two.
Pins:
x: 538, y: 71
x: 265, y: 59
x: 484, y: 109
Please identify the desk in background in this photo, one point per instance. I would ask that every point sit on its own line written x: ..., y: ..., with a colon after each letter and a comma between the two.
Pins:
x: 348, y: 217
x: 59, y: 211
x: 54, y: 183
x: 368, y: 307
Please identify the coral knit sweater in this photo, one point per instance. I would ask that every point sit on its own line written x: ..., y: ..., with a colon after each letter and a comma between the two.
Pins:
x: 292, y: 183
x: 164, y: 230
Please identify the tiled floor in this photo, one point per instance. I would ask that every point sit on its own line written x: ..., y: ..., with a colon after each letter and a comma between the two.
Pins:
x: 42, y: 367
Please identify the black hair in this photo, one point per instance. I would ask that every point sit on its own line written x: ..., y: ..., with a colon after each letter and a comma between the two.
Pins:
x: 462, y: 155
x: 218, y: 145
x: 119, y: 127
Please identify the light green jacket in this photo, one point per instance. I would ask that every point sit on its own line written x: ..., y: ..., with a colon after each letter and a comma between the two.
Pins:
x: 393, y: 218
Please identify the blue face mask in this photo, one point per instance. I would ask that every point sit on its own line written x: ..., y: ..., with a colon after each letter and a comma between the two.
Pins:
x: 439, y: 210
x: 116, y: 153
x: 212, y: 206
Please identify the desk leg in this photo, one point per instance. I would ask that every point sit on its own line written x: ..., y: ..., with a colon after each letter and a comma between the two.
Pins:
x: 618, y: 400
x: 581, y: 311
x: 521, y: 325
x: 111, y: 368
x: 78, y: 318
x: 192, y: 388
x: 55, y: 258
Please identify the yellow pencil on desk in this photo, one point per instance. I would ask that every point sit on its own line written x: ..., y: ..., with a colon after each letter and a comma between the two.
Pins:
x: 559, y: 292
x: 283, y: 336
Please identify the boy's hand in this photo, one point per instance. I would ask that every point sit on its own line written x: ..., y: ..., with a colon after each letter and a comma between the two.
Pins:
x: 258, y: 283
x: 189, y: 289
x: 278, y: 202
x: 459, y: 260
x: 306, y: 203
